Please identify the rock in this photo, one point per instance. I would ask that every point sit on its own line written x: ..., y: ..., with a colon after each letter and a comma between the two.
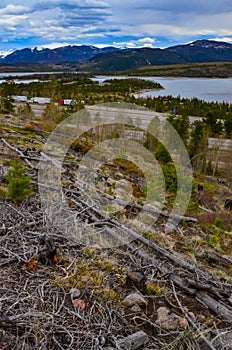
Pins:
x: 192, y: 315
x: 96, y: 247
x: 183, y: 323
x: 169, y: 321
x: 162, y: 314
x: 136, y: 308
x: 79, y: 304
x: 75, y: 293
x: 136, y: 277
x: 133, y: 299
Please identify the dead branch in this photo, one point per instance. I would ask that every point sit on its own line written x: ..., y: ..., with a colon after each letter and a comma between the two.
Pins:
x: 18, y: 151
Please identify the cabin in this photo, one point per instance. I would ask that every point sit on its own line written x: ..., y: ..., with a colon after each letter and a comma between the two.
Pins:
x: 19, y: 98
x: 64, y: 102
x: 40, y: 100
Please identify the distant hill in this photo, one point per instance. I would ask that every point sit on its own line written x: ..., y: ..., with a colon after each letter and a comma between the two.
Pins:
x: 93, y: 59
x: 199, y: 51
x: 197, y: 70
x: 132, y: 58
x: 73, y: 53
x: 203, y: 51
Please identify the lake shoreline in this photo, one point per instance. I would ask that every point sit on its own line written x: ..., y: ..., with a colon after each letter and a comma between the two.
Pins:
x: 207, y: 89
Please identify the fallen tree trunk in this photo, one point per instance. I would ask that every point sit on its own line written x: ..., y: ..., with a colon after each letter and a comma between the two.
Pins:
x: 134, y: 341
x: 17, y: 150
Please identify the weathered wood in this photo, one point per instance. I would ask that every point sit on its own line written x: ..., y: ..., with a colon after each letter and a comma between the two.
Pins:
x: 132, y: 342
x: 221, y: 260
x: 215, y: 306
x: 153, y: 212
x: 166, y: 254
x: 110, y: 223
x: 191, y: 321
x: 218, y: 292
x: 16, y: 150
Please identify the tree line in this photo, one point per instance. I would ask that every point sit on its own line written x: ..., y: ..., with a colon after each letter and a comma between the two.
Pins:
x: 217, y: 116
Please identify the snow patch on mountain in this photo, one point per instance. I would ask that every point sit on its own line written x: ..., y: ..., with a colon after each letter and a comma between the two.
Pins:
x: 3, y: 54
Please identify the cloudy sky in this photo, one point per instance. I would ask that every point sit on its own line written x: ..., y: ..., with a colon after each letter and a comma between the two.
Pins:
x: 131, y: 23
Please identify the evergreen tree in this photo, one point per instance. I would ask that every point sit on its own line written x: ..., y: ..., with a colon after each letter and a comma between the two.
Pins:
x: 198, y: 145
x: 51, y: 116
x: 162, y: 155
x: 228, y: 125
x: 6, y: 105
x: 18, y: 182
x: 181, y: 124
x: 215, y: 125
x: 73, y: 107
x: 25, y: 111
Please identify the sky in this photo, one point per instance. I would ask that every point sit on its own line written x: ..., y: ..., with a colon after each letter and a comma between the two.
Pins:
x: 121, y: 23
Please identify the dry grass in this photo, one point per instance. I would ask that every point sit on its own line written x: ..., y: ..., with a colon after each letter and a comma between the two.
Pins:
x: 206, y: 219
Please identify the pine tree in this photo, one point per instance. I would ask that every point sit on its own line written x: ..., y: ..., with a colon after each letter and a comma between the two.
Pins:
x: 18, y: 182
x: 228, y: 125
x: 198, y: 145
x: 51, y: 116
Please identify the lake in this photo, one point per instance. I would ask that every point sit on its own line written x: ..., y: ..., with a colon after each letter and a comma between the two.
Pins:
x: 207, y: 89
x: 21, y: 74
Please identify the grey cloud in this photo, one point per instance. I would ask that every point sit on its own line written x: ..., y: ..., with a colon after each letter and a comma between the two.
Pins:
x: 191, y: 7
x: 69, y: 5
x: 72, y: 13
x: 173, y: 6
x: 67, y: 20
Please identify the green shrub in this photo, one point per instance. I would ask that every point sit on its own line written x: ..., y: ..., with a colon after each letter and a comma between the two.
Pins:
x: 218, y: 222
x: 193, y: 207
x: 18, y: 182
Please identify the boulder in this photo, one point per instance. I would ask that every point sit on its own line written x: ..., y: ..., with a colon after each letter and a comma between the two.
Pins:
x: 170, y: 321
x: 134, y: 299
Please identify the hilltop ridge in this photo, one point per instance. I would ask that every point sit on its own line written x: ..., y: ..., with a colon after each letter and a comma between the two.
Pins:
x: 110, y: 58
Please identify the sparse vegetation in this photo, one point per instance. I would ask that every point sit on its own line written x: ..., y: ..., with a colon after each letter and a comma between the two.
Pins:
x: 46, y: 265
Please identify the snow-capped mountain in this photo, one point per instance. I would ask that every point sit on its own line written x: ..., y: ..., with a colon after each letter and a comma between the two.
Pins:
x: 70, y: 53
x: 112, y: 58
x: 4, y: 54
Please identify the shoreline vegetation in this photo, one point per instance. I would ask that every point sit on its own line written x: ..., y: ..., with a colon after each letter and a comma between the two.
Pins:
x: 198, y: 70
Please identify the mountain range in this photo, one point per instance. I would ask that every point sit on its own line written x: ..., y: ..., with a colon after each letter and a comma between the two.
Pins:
x: 74, y: 53
x: 91, y: 58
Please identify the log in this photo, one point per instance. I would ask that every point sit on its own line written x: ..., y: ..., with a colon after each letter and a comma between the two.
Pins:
x: 169, y: 256
x: 16, y: 150
x: 134, y: 341
x: 215, y: 306
x: 151, y: 211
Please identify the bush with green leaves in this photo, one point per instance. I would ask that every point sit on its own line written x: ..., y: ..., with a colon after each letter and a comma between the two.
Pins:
x: 18, y: 182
